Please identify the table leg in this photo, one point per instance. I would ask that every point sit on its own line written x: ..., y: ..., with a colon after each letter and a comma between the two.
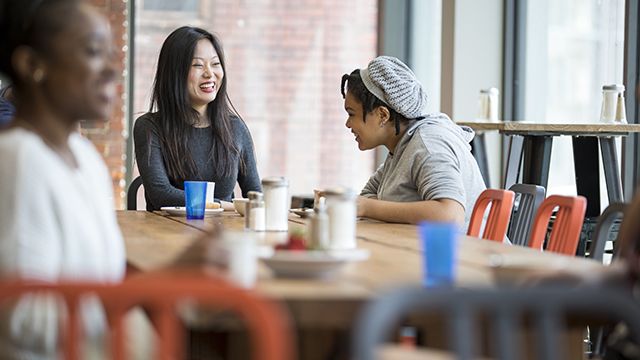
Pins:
x: 611, y: 169
x: 537, y: 156
x: 514, y: 155
x: 479, y: 151
x: 586, y: 167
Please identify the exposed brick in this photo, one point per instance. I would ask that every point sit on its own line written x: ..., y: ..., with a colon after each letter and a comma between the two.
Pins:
x: 107, y: 135
x: 285, y: 59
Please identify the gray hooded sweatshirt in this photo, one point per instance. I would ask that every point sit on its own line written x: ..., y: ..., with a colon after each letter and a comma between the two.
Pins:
x: 431, y: 161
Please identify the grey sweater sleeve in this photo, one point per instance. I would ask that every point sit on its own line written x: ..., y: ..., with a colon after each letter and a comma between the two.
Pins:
x: 249, y: 180
x: 370, y: 190
x: 158, y: 189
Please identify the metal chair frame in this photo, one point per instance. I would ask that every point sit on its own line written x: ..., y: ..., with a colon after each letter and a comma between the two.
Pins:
x: 132, y: 193
x: 565, y: 232
x: 160, y: 294
x: 546, y: 308
x: 603, y: 228
x: 526, y: 203
x: 501, y: 202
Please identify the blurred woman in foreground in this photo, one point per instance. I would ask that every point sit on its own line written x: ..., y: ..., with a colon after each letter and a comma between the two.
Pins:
x: 56, y: 211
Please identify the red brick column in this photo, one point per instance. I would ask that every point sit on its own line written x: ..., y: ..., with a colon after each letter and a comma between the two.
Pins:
x: 109, y: 136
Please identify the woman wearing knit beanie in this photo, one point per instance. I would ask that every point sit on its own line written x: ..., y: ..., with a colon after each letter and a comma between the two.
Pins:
x: 429, y: 173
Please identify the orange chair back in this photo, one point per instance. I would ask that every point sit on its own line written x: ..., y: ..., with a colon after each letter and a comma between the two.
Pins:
x: 501, y: 202
x: 159, y: 294
x: 566, y: 228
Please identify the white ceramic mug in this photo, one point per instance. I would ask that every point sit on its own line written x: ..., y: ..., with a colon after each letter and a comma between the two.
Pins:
x: 235, y: 254
x: 211, y: 187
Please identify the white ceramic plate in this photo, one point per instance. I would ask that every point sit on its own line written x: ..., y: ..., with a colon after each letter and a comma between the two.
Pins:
x: 311, y: 263
x: 182, y: 211
x: 302, y: 212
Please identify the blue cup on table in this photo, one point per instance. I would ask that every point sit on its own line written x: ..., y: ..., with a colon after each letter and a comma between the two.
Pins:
x: 439, y: 250
x: 195, y: 198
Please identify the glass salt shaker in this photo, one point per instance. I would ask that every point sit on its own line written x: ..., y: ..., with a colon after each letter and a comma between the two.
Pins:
x: 276, y: 203
x: 488, y: 104
x: 319, y: 227
x: 341, y: 208
x: 494, y: 96
x: 610, y: 102
x: 483, y: 106
x: 255, y: 211
x: 247, y: 210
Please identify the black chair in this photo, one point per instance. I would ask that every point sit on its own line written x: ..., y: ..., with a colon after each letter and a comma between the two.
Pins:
x: 525, y: 205
x: 132, y: 193
x: 544, y: 311
x: 601, y: 235
x: 603, y: 229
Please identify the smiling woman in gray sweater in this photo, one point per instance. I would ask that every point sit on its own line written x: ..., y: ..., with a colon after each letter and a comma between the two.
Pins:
x: 194, y: 134
x: 430, y: 173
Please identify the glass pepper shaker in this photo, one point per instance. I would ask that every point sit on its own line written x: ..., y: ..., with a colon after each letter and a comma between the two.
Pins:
x: 256, y: 211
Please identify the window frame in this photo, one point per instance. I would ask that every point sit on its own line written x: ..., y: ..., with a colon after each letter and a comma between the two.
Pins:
x: 514, y: 77
x: 630, y: 148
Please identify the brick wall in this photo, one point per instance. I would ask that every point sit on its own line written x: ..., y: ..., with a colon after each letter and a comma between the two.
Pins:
x: 108, y: 137
x: 285, y: 59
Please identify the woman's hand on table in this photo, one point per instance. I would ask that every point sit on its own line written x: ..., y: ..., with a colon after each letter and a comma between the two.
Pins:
x: 361, y: 205
x: 199, y: 253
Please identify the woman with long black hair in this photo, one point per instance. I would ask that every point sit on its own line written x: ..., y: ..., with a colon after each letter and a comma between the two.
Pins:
x: 194, y: 133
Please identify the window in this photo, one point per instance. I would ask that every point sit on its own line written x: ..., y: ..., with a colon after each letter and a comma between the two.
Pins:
x: 284, y: 64
x: 170, y: 5
x: 573, y: 47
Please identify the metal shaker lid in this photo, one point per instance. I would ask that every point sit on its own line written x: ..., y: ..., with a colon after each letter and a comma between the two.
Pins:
x: 615, y: 87
x: 255, y: 195
x: 275, y: 181
x: 490, y: 91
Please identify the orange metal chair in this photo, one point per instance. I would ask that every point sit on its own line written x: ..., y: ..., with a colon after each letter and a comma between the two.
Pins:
x: 498, y: 220
x: 566, y: 228
x: 159, y: 293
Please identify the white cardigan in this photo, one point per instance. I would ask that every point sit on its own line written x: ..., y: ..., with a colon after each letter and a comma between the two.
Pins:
x: 56, y: 223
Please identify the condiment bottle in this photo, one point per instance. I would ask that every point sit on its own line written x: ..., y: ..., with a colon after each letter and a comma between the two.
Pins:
x: 247, y: 210
x: 488, y: 104
x: 276, y: 203
x: 256, y: 211
x: 621, y: 112
x: 610, y: 102
x: 341, y: 208
x: 319, y: 227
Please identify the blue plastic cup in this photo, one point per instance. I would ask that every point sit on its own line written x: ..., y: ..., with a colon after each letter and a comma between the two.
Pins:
x: 439, y: 247
x: 195, y: 198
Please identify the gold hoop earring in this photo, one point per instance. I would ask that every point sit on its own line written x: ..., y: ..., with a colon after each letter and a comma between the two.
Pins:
x: 38, y: 75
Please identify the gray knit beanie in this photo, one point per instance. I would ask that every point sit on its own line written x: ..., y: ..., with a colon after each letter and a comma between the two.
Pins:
x: 391, y: 81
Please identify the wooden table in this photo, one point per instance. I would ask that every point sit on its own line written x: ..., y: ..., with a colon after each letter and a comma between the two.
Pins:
x: 530, y: 144
x: 154, y: 240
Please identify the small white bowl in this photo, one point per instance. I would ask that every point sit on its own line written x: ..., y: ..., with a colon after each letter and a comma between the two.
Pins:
x: 239, y: 204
